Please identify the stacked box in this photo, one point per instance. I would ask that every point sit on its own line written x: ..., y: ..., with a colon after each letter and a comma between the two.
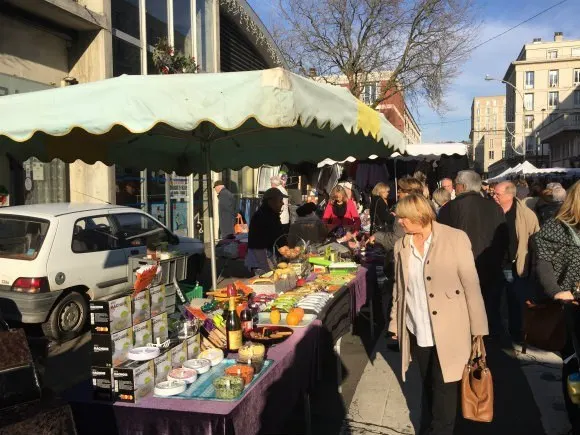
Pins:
x: 157, y: 300
x: 111, y: 350
x: 141, y: 304
x: 102, y: 381
x: 162, y: 365
x: 178, y: 354
x: 108, y: 317
x: 143, y: 334
x: 193, y: 346
x: 160, y: 328
x: 133, y: 380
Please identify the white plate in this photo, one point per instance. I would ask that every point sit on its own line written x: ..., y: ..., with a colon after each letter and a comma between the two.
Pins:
x: 215, y: 356
x: 264, y: 320
x: 184, y: 374
x: 170, y: 388
x: 144, y: 353
x: 200, y: 365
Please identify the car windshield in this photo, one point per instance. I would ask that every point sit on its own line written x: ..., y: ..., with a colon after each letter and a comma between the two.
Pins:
x: 21, y: 237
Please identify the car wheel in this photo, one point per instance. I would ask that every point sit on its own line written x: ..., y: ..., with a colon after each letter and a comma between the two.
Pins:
x: 68, y: 318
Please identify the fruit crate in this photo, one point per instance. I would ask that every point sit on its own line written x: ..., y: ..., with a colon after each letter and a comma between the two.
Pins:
x: 174, y: 268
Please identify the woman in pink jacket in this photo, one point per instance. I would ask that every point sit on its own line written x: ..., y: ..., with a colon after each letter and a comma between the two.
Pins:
x: 341, y: 211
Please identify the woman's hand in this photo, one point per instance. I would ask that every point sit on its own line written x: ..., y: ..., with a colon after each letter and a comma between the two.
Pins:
x: 371, y: 240
x: 564, y: 296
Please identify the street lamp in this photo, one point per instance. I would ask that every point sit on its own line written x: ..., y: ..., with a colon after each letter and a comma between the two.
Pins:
x: 489, y: 79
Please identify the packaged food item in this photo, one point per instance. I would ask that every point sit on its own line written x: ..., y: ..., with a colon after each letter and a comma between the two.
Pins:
x: 134, y: 380
x: 170, y: 388
x: 252, y: 350
x: 111, y: 350
x: 158, y: 302
x: 193, y: 346
x: 141, y: 307
x: 215, y: 356
x: 162, y: 366
x: 246, y: 372
x: 102, y: 383
x: 201, y: 365
x: 228, y: 387
x: 178, y: 355
x: 143, y: 334
x: 181, y: 374
x: 108, y: 317
x: 160, y: 327
x: 144, y: 353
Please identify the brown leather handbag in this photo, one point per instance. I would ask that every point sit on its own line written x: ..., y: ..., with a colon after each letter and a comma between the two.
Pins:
x: 477, y: 386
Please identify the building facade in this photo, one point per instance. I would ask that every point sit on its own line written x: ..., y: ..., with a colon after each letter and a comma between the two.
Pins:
x: 487, y: 131
x: 543, y: 112
x: 65, y: 42
x: 394, y: 107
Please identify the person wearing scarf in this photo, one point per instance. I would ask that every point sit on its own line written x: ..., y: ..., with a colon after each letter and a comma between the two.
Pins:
x: 557, y: 263
x: 341, y: 212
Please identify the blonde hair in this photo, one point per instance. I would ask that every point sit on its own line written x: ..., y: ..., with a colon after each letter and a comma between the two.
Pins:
x: 416, y: 208
x: 338, y: 189
x: 380, y: 187
x: 569, y: 213
x: 410, y: 185
x: 441, y: 196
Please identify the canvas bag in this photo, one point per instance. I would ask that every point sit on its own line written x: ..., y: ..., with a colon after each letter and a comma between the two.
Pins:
x: 477, y: 386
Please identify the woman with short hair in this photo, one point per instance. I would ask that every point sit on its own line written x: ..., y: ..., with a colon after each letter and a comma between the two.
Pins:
x: 441, y: 197
x: 381, y: 217
x: 437, y: 308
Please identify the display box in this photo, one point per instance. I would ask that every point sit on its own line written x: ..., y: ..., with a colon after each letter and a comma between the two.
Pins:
x: 193, y: 346
x: 111, y: 350
x: 143, y: 334
x: 162, y: 367
x: 141, y: 307
x: 108, y: 317
x: 160, y: 327
x: 102, y: 383
x: 133, y: 380
x: 178, y: 355
x: 158, y: 300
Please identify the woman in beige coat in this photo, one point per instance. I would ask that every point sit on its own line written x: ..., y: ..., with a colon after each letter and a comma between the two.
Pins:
x: 437, y: 309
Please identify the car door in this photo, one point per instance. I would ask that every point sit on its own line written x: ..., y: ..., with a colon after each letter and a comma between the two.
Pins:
x: 90, y: 255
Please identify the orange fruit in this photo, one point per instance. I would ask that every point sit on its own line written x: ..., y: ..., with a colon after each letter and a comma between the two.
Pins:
x: 299, y: 312
x: 293, y: 319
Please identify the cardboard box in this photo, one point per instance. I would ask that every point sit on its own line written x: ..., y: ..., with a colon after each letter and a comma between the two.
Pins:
x: 162, y: 367
x: 143, y: 334
x: 108, y: 317
x: 178, y: 355
x: 102, y: 383
x: 111, y: 350
x: 160, y: 327
x: 134, y: 380
x: 141, y: 307
x: 193, y: 346
x: 158, y: 302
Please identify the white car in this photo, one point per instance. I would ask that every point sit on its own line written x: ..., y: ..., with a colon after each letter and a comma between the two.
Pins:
x: 54, y: 258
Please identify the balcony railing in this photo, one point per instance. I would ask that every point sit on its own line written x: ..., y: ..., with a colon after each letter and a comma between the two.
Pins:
x: 565, y: 122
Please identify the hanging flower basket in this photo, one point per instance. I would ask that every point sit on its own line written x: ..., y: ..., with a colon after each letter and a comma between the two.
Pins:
x: 169, y: 61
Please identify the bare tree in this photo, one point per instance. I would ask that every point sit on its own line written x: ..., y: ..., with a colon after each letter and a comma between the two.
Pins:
x: 419, y: 44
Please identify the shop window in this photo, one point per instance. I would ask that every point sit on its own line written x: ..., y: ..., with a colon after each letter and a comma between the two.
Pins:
x: 93, y: 234
x: 156, y: 20
x: 126, y: 58
x: 125, y: 16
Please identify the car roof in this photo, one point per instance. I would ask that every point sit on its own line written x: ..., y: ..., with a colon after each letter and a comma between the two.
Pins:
x: 59, y: 209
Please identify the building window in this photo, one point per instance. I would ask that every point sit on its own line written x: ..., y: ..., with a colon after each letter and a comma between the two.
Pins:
x: 529, y: 82
x: 529, y: 122
x: 491, y: 154
x: 125, y: 16
x: 530, y: 141
x: 553, y: 78
x: 369, y: 93
x: 529, y: 101
x: 553, y: 99
x: 126, y: 58
x: 182, y: 26
x: 491, y: 143
x: 576, y: 51
x: 577, y: 76
x: 576, y: 98
x: 552, y: 54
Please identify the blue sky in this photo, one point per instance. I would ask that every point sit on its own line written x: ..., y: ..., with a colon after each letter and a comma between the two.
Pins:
x: 492, y: 58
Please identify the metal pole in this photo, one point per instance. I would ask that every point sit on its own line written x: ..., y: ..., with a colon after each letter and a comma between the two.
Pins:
x: 396, y: 185
x: 168, y: 210
x: 210, y: 210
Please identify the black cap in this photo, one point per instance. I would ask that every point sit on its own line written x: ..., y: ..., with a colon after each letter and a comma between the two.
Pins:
x: 273, y: 193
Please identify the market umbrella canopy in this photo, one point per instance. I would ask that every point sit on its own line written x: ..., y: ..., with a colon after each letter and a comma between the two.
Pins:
x: 164, y: 122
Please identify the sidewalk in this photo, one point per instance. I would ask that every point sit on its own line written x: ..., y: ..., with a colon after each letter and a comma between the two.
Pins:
x: 528, y: 397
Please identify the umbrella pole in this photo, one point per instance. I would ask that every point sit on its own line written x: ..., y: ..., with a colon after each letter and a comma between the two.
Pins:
x: 395, y: 169
x: 211, y: 227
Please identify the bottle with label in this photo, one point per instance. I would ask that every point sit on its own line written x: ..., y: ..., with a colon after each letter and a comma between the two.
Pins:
x: 254, y: 308
x: 247, y: 319
x: 233, y: 327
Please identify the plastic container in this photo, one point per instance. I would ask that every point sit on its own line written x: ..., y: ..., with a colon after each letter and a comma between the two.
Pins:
x: 251, y: 350
x: 181, y: 374
x: 170, y: 388
x: 246, y: 372
x: 200, y: 365
x: 228, y: 387
x: 215, y: 356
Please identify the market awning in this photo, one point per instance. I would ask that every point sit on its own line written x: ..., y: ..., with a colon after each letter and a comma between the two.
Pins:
x: 430, y: 151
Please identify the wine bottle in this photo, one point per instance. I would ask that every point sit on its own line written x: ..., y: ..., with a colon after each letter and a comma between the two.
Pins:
x: 233, y: 327
x: 254, y: 308
x: 247, y: 319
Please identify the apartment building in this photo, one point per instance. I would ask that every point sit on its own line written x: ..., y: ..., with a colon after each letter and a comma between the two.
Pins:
x: 543, y: 112
x: 52, y: 43
x: 488, y: 135
x: 394, y: 107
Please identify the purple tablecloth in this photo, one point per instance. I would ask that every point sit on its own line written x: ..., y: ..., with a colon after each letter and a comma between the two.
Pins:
x: 358, y: 289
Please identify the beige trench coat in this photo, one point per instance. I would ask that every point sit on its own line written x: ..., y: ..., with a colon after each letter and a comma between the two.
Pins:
x: 456, y: 306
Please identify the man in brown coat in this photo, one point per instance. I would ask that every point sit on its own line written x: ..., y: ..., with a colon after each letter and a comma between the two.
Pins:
x: 521, y: 223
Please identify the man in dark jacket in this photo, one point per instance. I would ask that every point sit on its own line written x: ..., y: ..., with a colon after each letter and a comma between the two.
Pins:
x: 226, y: 208
x: 484, y: 223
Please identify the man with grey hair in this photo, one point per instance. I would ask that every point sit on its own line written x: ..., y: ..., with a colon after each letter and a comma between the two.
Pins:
x: 484, y: 223
x: 278, y: 182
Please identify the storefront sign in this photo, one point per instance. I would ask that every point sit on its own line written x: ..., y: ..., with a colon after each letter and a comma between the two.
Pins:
x: 37, y: 171
x: 179, y: 188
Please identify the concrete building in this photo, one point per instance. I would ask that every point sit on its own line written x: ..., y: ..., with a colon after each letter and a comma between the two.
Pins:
x: 542, y: 116
x: 52, y: 43
x: 487, y: 131
x: 394, y: 107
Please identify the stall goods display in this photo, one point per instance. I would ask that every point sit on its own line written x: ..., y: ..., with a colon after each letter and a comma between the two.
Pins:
x: 158, y: 302
x: 193, y: 346
x: 215, y: 356
x: 315, y: 302
x: 111, y: 350
x: 162, y: 365
x: 160, y: 328
x: 228, y: 387
x: 170, y: 388
x: 134, y: 380
x: 290, y: 253
x: 145, y: 277
x: 298, y: 319
x: 144, y: 353
x: 201, y: 365
x: 102, y: 383
x: 182, y: 374
x: 269, y: 335
x: 178, y: 355
x: 244, y: 371
x: 143, y: 334
x: 252, y: 350
x: 108, y: 317
x: 141, y: 307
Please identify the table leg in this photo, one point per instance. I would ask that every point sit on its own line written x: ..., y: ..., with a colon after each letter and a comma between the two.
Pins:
x: 338, y: 364
x: 307, y: 415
